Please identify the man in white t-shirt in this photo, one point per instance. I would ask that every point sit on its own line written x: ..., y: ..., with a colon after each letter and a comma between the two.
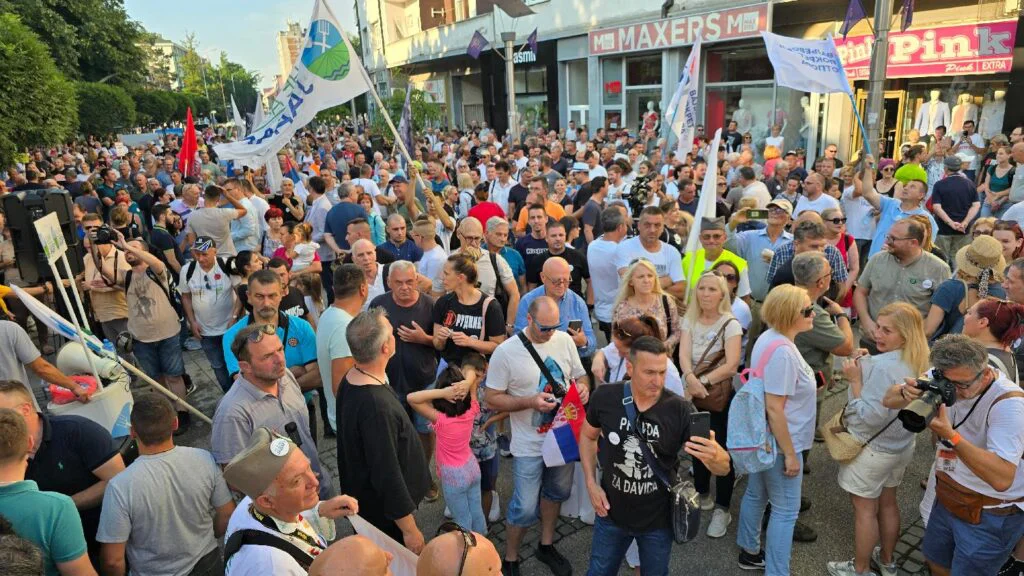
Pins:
x: 208, y: 299
x: 502, y: 185
x: 970, y: 146
x: 648, y: 245
x: 434, y: 257
x: 604, y: 273
x: 814, y: 198
x: 369, y: 186
x: 754, y: 188
x: 594, y: 164
x: 516, y: 384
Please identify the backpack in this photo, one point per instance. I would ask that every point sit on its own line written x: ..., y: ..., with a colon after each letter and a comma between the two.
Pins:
x: 751, y: 443
x: 500, y: 294
x: 191, y: 270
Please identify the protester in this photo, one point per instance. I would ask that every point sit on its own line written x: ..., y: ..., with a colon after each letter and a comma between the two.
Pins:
x: 213, y: 223
x: 18, y: 352
x: 208, y: 300
x: 465, y: 319
x: 107, y: 299
x: 640, y: 294
x: 979, y: 273
x: 556, y: 238
x: 667, y: 260
x: 604, y: 274
x: 556, y: 278
x: 334, y: 359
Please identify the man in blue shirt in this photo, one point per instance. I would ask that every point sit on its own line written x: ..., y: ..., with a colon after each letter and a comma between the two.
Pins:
x: 398, y: 242
x: 555, y: 278
x: 906, y: 203
x: 338, y: 217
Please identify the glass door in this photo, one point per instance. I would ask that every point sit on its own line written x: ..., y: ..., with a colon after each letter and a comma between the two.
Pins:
x: 891, y: 139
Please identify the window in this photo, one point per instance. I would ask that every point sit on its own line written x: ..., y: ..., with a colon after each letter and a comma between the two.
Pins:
x: 611, y: 81
x: 532, y: 80
x: 578, y: 83
x: 644, y: 70
x: 739, y: 65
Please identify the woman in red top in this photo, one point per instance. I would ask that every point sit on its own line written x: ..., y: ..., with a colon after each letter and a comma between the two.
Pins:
x: 835, y: 232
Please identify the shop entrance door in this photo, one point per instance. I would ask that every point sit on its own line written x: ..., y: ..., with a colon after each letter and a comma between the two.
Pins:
x: 891, y: 121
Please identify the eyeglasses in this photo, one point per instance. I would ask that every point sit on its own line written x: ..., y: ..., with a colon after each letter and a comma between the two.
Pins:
x: 472, y: 238
x: 890, y: 238
x: 836, y: 221
x: 807, y: 312
x: 559, y: 281
x: 969, y: 383
x: 728, y: 277
x: 468, y: 540
x: 977, y: 233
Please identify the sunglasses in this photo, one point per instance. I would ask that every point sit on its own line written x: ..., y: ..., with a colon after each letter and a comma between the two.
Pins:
x: 206, y: 279
x: 468, y: 539
x: 837, y: 221
x: 977, y: 233
x: 888, y: 169
x: 545, y: 329
x: 807, y: 312
x: 729, y: 277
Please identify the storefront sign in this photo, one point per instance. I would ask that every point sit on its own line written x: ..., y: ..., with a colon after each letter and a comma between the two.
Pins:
x: 982, y: 48
x: 731, y: 24
x: 524, y: 57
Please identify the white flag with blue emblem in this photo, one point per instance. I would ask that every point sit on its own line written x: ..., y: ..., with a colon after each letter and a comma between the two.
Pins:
x: 327, y: 73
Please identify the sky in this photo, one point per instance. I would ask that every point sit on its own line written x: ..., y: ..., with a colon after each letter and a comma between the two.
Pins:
x: 246, y: 30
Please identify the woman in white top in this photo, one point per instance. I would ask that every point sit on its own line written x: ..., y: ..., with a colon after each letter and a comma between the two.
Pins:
x: 790, y: 400
x: 873, y: 477
x: 740, y: 308
x: 611, y: 364
x: 710, y: 330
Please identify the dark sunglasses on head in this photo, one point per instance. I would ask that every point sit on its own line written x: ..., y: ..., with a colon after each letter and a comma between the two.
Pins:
x: 836, y: 220
x: 468, y: 541
x: 728, y: 276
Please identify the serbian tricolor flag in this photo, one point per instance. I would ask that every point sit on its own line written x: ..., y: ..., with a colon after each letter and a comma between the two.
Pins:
x: 187, y: 163
x: 562, y: 442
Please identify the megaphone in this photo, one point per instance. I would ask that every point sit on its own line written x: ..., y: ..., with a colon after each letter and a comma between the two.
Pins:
x: 72, y: 359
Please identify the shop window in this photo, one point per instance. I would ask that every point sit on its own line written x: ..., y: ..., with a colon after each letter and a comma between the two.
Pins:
x: 578, y: 88
x: 749, y: 106
x: 738, y: 65
x: 532, y: 111
x: 611, y: 81
x: 637, y: 108
x: 537, y: 79
x: 794, y: 115
x: 519, y: 76
x: 982, y: 101
x: 644, y: 70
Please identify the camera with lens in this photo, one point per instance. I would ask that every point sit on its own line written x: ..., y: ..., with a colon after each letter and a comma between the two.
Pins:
x: 919, y: 413
x: 103, y: 235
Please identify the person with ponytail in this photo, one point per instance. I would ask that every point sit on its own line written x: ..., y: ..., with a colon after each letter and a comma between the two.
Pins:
x: 998, y: 325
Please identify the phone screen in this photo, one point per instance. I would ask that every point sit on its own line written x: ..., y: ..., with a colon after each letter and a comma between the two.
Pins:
x: 700, y: 424
x: 757, y: 214
x: 575, y: 325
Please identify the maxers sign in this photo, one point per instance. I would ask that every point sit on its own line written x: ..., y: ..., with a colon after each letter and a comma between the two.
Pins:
x: 731, y: 24
x: 982, y: 48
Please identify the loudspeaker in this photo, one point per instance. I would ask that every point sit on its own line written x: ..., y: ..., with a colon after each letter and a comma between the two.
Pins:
x: 24, y: 208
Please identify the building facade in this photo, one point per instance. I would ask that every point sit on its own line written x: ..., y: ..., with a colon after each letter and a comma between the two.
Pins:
x: 165, y: 63
x: 290, y: 42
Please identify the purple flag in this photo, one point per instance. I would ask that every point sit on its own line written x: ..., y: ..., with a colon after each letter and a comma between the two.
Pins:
x: 531, y: 40
x: 908, y: 15
x: 476, y: 45
x: 854, y: 13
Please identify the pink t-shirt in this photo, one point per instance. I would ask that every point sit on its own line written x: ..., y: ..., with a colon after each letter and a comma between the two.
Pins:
x: 455, y: 461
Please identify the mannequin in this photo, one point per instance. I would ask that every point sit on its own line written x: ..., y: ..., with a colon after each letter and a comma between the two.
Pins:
x: 651, y: 121
x: 743, y: 118
x: 964, y: 110
x: 805, y: 128
x: 932, y: 114
x: 992, y: 114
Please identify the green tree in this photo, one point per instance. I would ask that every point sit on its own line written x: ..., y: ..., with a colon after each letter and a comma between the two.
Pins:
x: 158, y: 75
x: 154, y: 106
x: 89, y: 40
x: 39, y: 106
x: 103, y: 109
x: 424, y: 113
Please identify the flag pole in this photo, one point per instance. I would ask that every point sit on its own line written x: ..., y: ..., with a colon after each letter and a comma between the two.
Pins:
x: 391, y: 125
x: 860, y: 122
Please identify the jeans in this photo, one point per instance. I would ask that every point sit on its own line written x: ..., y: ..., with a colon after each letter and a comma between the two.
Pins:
x: 464, y: 504
x: 531, y: 481
x: 609, y: 546
x: 783, y: 492
x: 701, y: 475
x: 160, y: 358
x: 214, y: 349
x: 327, y: 280
x: 963, y: 548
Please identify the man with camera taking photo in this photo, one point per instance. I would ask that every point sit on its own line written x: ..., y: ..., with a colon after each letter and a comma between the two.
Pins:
x: 977, y: 413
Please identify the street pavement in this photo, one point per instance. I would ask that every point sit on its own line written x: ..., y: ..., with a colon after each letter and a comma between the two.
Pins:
x: 831, y: 513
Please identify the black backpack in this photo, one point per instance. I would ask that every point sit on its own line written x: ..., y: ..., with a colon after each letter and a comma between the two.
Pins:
x: 500, y: 294
x: 190, y: 270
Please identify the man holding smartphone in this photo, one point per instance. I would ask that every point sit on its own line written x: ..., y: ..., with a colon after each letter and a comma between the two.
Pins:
x: 630, y: 501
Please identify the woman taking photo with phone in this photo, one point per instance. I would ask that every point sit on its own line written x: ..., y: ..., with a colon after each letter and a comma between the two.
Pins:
x: 873, y: 477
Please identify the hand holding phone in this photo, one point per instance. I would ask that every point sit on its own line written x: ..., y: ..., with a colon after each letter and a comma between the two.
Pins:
x: 700, y: 424
x: 575, y: 325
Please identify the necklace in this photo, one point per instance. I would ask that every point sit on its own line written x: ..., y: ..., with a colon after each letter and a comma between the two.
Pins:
x: 365, y: 373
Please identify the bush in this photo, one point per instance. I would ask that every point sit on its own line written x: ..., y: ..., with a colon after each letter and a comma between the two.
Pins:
x: 154, y: 106
x: 39, y: 106
x: 104, y: 109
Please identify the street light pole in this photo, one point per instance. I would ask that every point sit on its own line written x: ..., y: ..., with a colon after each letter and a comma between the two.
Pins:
x: 876, y: 82
x: 509, y: 38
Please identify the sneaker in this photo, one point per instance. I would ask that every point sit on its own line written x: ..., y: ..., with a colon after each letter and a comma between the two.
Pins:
x: 805, y: 504
x: 447, y: 513
x: 1012, y: 567
x: 890, y: 569
x: 845, y: 568
x: 510, y: 567
x: 494, y: 514
x: 433, y: 494
x: 192, y: 345
x: 504, y: 445
x: 804, y: 533
x: 553, y: 559
x: 750, y: 561
x: 720, y: 521
x: 818, y: 438
x: 190, y: 386
x: 707, y: 502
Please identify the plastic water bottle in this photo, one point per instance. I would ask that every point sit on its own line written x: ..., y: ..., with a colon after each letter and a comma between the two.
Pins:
x: 108, y: 346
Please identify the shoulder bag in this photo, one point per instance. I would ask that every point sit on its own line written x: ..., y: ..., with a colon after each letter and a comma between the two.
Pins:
x: 842, y: 446
x: 559, y: 389
x: 718, y: 392
x: 683, y: 497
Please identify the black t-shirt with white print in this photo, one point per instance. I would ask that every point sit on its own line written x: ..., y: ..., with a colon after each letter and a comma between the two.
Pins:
x: 458, y: 317
x: 638, y: 500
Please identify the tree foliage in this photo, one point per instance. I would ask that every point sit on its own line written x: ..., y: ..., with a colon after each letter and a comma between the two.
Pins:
x: 89, y: 40
x: 39, y: 105
x: 154, y: 106
x: 104, y: 109
x: 424, y: 113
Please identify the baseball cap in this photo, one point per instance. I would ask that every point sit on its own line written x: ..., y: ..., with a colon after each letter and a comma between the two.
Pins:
x: 580, y: 167
x: 253, y: 469
x: 204, y: 243
x: 782, y: 203
x: 399, y: 179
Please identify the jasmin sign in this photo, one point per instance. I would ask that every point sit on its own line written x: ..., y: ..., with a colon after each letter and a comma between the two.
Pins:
x: 728, y: 24
x: 982, y: 48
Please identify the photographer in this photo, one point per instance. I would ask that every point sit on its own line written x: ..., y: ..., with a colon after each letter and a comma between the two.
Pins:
x: 104, y: 264
x: 976, y: 519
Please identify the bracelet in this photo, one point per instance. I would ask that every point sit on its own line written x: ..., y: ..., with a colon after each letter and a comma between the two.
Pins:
x: 953, y: 440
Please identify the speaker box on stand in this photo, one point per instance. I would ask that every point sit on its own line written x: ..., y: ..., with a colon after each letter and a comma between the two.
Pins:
x: 22, y: 210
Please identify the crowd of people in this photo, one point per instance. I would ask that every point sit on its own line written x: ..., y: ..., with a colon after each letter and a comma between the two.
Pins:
x: 442, y: 309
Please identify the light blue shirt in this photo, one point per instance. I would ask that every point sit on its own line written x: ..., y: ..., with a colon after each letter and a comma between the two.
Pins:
x: 299, y: 347
x: 889, y: 214
x: 570, y: 307
x: 515, y: 261
x: 749, y: 245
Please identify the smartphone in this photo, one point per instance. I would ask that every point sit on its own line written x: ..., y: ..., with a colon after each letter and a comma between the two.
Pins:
x: 575, y: 325
x: 757, y: 214
x: 700, y: 424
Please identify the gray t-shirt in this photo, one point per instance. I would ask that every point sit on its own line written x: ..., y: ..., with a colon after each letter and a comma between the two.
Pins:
x: 215, y: 223
x: 163, y: 507
x: 16, y: 350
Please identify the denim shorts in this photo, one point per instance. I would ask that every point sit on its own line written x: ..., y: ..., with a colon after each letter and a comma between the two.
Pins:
x: 160, y: 358
x: 966, y: 548
x: 489, y: 473
x: 531, y: 481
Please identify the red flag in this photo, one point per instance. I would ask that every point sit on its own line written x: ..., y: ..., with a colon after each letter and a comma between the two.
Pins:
x: 187, y: 164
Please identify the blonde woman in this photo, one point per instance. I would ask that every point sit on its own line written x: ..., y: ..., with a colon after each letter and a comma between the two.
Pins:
x: 790, y: 403
x: 710, y: 344
x: 873, y: 477
x: 640, y: 294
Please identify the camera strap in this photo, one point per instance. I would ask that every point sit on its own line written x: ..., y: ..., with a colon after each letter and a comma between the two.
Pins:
x: 973, y: 406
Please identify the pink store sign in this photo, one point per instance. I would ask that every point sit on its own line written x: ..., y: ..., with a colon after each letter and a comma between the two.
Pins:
x: 728, y: 24
x: 982, y: 48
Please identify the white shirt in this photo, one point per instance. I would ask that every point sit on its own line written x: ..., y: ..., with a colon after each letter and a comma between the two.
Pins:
x: 617, y: 370
x: 667, y: 260
x: 371, y: 187
x: 598, y: 171
x: 818, y: 205
x: 213, y: 297
x: 499, y: 193
x: 265, y: 559
x: 859, y: 221
x: 604, y: 276
x: 260, y: 208
x: 376, y: 288
x: 758, y: 190
x: 968, y: 154
x: 432, y: 262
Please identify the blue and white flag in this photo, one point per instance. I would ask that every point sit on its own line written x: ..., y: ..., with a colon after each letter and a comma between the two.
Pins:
x: 806, y: 65
x: 405, y: 122
x: 707, y: 204
x: 682, y: 110
x: 327, y: 73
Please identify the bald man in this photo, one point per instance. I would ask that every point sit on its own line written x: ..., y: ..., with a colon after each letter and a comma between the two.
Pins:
x: 441, y: 557
x: 353, y: 556
x: 555, y: 276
